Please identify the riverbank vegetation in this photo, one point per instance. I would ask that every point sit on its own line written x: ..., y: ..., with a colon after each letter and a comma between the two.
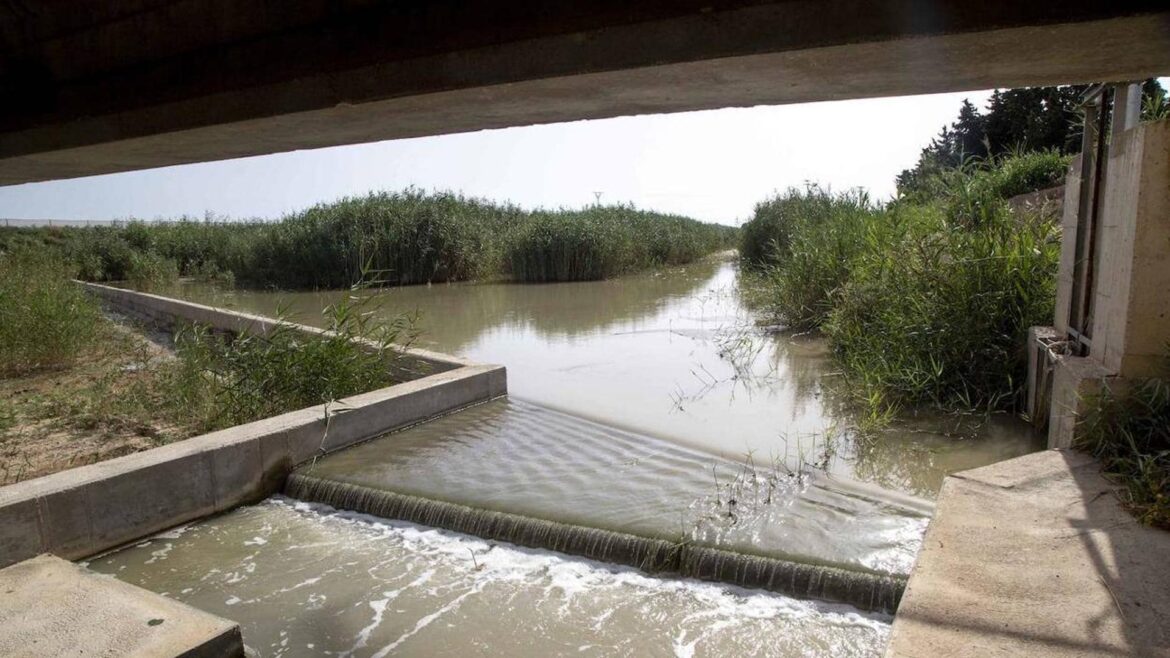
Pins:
x: 407, y: 237
x: 79, y: 386
x: 1128, y: 431
x: 925, y: 300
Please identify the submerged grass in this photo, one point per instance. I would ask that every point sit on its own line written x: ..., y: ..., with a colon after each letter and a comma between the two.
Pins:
x: 411, y: 237
x: 925, y: 301
x: 1129, y: 433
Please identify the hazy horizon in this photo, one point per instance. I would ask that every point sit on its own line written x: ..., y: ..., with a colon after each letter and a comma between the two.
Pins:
x: 714, y: 165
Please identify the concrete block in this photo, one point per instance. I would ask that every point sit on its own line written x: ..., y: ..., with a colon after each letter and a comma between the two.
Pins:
x: 306, y: 440
x: 1035, y: 556
x: 51, y: 607
x: 20, y: 532
x: 1074, y: 381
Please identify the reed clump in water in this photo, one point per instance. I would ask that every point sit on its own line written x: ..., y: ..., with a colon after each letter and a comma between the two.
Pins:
x: 411, y: 237
x: 925, y: 301
x: 600, y: 242
x: 864, y: 590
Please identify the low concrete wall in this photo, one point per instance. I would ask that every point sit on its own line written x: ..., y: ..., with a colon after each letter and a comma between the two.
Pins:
x: 167, y: 311
x: 85, y: 510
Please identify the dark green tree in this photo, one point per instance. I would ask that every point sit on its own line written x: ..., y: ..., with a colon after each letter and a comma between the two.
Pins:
x: 1016, y: 120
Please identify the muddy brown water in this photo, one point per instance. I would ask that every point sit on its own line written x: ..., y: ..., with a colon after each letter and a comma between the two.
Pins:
x: 626, y: 396
x: 677, y: 355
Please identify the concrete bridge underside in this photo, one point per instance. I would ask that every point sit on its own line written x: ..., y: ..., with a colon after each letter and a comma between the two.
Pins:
x: 93, y: 86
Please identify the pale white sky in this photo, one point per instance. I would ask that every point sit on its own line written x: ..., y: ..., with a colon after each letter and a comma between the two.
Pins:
x: 713, y: 165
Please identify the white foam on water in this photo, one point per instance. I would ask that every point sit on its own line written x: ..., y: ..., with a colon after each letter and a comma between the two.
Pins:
x: 567, y: 577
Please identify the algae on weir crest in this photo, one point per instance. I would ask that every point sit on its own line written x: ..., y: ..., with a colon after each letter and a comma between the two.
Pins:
x: 326, y: 581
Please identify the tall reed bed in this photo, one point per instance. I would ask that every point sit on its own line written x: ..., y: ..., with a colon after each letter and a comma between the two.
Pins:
x: 600, y: 242
x: 45, y: 320
x: 407, y: 237
x: 924, y: 301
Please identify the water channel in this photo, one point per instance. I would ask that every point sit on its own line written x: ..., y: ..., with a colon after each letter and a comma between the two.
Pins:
x: 651, y: 404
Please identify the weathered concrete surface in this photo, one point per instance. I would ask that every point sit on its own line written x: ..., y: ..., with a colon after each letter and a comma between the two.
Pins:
x: 97, y: 87
x: 1035, y: 556
x: 1076, y: 380
x: 50, y: 607
x: 1131, y: 307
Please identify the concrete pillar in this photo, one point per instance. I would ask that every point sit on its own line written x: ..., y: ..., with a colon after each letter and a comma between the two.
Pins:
x: 1131, y: 326
x: 1131, y: 293
x: 1068, y: 246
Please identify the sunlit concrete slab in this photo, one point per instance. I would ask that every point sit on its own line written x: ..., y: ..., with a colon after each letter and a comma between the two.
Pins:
x: 1035, y: 557
x: 51, y: 607
x: 97, y: 87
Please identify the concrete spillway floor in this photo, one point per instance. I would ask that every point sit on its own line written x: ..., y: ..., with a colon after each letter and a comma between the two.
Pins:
x: 303, y: 580
x: 525, y: 459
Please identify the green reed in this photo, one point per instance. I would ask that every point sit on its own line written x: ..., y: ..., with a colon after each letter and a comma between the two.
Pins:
x: 46, y: 321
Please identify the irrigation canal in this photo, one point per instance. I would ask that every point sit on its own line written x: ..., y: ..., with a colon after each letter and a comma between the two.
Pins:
x: 652, y: 427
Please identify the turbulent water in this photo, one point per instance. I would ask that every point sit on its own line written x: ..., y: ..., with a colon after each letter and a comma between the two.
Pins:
x: 303, y: 581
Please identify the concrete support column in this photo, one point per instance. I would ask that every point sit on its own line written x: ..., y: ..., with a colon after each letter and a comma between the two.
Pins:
x: 1131, y: 327
x: 1131, y: 293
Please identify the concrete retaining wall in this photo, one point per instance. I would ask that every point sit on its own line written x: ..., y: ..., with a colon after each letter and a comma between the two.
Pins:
x: 85, y: 510
x: 167, y: 311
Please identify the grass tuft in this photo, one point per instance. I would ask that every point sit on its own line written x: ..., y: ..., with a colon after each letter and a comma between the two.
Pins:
x: 1129, y: 433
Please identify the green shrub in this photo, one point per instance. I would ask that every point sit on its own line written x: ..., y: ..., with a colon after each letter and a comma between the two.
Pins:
x: 823, y: 235
x: 978, y: 190
x: 938, y: 314
x: 410, y: 237
x: 764, y: 240
x: 46, y: 320
x: 148, y: 269
x: 223, y: 380
x: 1129, y: 433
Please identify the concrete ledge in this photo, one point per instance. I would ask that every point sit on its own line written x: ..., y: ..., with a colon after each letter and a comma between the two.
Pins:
x: 1035, y: 556
x: 85, y: 510
x: 49, y: 607
x: 167, y: 311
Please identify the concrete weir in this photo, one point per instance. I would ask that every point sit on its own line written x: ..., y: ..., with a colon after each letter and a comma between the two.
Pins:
x: 867, y: 591
x: 89, y: 509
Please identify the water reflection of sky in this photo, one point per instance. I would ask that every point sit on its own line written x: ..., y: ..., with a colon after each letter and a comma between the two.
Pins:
x: 674, y: 354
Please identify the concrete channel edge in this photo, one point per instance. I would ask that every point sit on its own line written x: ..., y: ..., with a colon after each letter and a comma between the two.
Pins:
x: 85, y: 510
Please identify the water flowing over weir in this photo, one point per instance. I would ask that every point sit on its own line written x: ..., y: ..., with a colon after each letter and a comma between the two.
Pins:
x: 865, y: 591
